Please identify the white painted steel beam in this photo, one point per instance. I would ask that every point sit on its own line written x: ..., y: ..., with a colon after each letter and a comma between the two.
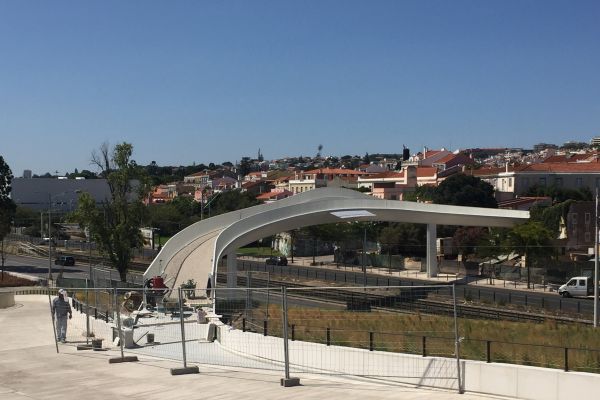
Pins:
x: 230, y: 231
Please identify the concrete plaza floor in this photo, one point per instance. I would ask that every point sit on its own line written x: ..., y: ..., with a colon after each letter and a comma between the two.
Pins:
x: 30, y: 368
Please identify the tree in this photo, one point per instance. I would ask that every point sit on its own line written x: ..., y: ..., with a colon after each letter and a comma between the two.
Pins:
x: 423, y: 193
x: 115, y: 225
x: 466, y: 239
x: 231, y: 201
x: 465, y: 190
x: 245, y: 166
x: 7, y: 206
x: 559, y: 194
x: 533, y: 240
x: 403, y: 238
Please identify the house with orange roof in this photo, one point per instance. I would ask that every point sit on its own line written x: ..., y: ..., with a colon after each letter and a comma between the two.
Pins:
x: 452, y: 160
x: 512, y: 181
x: 274, y: 195
x: 427, y: 176
x: 428, y: 157
x: 162, y: 194
x: 322, y: 177
x: 570, y: 158
x: 390, y: 185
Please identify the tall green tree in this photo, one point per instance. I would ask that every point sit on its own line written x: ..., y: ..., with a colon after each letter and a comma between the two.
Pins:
x: 231, y: 200
x: 115, y: 223
x: 465, y: 190
x: 7, y: 206
x: 533, y: 240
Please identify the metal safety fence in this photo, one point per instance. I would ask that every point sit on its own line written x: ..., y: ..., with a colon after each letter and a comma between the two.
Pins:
x: 339, y: 331
x: 382, y: 332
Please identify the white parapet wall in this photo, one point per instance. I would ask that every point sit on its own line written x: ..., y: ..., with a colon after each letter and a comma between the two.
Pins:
x: 524, y: 382
x: 516, y: 381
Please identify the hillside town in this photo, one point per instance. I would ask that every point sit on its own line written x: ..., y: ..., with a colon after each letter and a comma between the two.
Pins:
x: 520, y: 178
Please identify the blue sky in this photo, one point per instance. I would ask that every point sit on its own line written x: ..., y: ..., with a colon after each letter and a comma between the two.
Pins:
x: 212, y: 81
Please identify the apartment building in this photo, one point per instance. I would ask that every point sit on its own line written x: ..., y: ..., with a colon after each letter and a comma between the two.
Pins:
x: 322, y: 177
x: 512, y: 181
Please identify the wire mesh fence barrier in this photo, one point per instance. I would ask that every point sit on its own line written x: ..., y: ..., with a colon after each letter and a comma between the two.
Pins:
x: 371, y: 331
x: 243, y: 328
x: 93, y: 316
x: 392, y: 332
x: 486, y: 291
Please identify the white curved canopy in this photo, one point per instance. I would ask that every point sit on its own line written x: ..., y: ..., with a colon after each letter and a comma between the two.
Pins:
x: 194, y: 252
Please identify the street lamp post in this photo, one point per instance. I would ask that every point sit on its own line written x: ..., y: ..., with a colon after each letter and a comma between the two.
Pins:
x: 50, y: 231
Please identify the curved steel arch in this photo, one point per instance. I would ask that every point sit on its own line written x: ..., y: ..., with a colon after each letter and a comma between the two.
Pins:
x: 235, y: 229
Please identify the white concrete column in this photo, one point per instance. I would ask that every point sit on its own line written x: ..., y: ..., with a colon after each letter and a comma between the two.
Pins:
x: 432, y: 268
x: 231, y: 269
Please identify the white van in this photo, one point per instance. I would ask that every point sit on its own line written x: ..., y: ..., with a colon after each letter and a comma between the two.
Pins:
x: 577, y: 286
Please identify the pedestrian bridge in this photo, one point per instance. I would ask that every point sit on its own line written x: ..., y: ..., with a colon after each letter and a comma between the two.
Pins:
x: 195, y: 252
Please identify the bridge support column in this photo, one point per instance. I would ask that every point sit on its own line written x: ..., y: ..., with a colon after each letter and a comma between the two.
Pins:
x: 231, y: 269
x: 432, y: 268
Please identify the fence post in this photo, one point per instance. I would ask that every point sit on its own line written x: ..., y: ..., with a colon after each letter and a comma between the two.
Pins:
x: 120, y: 330
x: 52, y: 313
x: 287, y: 381
x: 243, y: 324
x: 457, y: 342
x: 424, y: 346
x: 265, y: 333
x: 185, y: 369
x: 371, y: 342
x: 328, y: 336
x: 118, y: 321
x: 293, y: 332
x: 566, y: 359
x: 489, y: 351
x: 87, y: 313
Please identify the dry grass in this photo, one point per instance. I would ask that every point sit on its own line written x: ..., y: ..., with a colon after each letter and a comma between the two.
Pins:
x: 512, y: 342
x: 7, y: 280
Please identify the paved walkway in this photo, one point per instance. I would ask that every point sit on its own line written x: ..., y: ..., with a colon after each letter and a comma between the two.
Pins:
x: 30, y: 368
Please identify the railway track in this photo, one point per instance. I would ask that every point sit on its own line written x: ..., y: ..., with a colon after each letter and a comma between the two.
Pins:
x: 407, y: 300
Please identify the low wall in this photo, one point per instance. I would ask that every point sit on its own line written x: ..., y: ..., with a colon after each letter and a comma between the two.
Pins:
x: 7, y: 298
x: 530, y: 383
x: 517, y: 381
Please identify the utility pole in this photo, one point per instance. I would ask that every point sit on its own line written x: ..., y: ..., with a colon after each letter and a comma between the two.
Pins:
x: 364, y: 257
x: 49, y: 239
x: 595, y: 278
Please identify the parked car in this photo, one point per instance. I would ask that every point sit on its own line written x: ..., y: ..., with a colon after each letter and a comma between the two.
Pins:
x: 47, y: 240
x: 276, y: 261
x: 577, y: 286
x: 65, y: 260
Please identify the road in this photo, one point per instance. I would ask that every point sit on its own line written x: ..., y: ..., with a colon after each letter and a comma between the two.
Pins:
x: 38, y: 267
